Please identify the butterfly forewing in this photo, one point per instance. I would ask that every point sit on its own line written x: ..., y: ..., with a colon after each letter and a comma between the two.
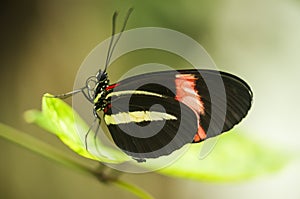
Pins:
x: 149, y: 111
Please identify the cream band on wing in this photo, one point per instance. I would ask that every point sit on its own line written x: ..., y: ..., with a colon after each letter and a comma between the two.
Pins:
x: 132, y: 92
x: 137, y: 116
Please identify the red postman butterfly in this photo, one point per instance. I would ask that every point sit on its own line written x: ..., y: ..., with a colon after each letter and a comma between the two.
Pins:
x: 153, y: 114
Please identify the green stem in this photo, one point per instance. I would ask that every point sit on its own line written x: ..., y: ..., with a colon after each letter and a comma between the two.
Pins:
x: 41, y: 148
x: 133, y: 189
x: 46, y: 150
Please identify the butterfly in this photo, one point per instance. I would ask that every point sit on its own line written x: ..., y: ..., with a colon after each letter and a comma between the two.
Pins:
x: 153, y: 114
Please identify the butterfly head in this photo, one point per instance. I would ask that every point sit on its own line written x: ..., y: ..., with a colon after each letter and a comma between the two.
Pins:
x: 101, y: 76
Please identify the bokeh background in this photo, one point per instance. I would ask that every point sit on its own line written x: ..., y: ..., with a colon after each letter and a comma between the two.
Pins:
x: 44, y: 42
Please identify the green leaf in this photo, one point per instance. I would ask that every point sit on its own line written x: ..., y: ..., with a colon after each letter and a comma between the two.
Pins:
x: 58, y: 117
x: 235, y: 157
x: 37, y: 146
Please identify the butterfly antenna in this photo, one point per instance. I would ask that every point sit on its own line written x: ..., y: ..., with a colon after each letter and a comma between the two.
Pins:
x: 113, y: 46
x: 114, y: 18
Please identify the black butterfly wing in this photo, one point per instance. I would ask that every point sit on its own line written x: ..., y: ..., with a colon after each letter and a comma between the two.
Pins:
x: 148, y: 125
x: 223, y: 112
x: 226, y: 98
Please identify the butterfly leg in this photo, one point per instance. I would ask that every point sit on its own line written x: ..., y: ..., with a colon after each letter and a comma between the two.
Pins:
x: 87, y: 134
x: 95, y: 136
x: 66, y: 95
x: 97, y: 130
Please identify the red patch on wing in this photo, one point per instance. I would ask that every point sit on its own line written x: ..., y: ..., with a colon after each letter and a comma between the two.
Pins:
x: 106, y: 108
x: 187, y: 93
x: 111, y: 87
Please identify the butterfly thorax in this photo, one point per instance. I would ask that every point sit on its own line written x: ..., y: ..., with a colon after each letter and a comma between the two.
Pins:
x: 101, y: 92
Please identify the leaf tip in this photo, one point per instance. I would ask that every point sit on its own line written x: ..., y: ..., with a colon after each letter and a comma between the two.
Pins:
x: 48, y: 95
x: 30, y: 115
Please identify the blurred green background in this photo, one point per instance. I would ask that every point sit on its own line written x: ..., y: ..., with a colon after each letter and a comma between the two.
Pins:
x: 44, y: 42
